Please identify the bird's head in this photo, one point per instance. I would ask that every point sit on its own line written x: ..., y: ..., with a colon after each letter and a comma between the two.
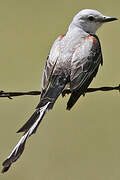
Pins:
x: 90, y: 20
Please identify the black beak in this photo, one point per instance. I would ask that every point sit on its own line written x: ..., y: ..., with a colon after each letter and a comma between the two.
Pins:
x: 109, y: 19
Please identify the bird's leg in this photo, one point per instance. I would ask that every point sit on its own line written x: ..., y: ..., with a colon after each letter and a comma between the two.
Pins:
x: 83, y: 94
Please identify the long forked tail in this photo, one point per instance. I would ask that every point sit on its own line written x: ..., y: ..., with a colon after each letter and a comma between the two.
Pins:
x: 57, y: 85
x: 19, y: 148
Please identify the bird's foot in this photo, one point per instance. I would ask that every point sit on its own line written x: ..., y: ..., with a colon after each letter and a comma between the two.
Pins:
x: 66, y: 91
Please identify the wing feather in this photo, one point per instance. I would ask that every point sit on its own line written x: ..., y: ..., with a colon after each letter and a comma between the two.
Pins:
x: 50, y: 63
x: 84, y: 67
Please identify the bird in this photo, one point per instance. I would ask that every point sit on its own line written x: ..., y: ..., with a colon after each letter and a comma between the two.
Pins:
x: 72, y: 63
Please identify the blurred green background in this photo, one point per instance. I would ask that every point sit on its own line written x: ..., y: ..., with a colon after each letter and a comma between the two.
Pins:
x: 81, y: 144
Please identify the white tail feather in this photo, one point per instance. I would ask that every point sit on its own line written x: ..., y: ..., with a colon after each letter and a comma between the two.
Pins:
x: 29, y: 132
x: 18, y: 149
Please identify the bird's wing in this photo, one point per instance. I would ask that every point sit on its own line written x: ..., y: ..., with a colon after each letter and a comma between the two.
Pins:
x: 84, y: 66
x: 50, y: 63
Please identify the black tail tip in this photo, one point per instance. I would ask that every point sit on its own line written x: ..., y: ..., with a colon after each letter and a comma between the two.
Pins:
x: 18, y: 131
x: 5, y: 169
x: 6, y: 165
x: 68, y: 108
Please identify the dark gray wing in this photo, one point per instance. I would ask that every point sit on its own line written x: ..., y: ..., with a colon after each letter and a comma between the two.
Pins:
x: 84, y: 67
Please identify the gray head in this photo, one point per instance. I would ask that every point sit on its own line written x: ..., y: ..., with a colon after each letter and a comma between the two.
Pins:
x: 90, y: 20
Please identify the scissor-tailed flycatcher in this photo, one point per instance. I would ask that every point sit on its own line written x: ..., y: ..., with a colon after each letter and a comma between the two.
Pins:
x: 73, y: 62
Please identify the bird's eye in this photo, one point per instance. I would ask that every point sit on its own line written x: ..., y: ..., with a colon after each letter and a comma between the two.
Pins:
x: 91, y: 18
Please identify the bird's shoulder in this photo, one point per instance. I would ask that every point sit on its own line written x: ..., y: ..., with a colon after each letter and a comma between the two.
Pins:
x: 88, y: 47
x: 55, y: 49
